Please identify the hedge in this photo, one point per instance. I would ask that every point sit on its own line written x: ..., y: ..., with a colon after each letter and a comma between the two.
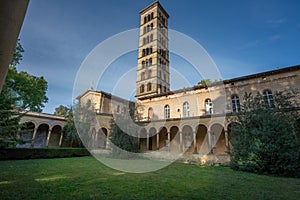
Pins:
x: 35, y: 153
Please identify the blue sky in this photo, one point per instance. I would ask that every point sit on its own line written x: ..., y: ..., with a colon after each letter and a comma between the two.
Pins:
x: 242, y: 37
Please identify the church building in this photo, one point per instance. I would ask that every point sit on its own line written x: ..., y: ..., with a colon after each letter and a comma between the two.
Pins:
x: 189, y: 119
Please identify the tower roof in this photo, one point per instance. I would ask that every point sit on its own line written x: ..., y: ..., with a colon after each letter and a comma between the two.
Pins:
x: 156, y: 3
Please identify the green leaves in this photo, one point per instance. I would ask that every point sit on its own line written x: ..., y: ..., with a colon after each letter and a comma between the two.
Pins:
x: 21, y: 92
x: 264, y: 138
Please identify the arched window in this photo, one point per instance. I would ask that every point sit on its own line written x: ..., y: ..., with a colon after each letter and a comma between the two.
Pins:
x: 186, y: 109
x: 151, y: 15
x: 165, y: 89
x: 208, y: 107
x: 151, y: 37
x: 145, y: 30
x: 145, y: 19
x: 167, y: 112
x: 236, y: 107
x: 151, y: 26
x: 151, y: 50
x: 150, y: 113
x: 143, y: 64
x: 142, y: 88
x: 146, y: 63
x: 159, y: 88
x: 143, y: 76
x: 148, y: 18
x: 144, y: 52
x: 149, y: 88
x: 150, y: 61
x: 268, y: 96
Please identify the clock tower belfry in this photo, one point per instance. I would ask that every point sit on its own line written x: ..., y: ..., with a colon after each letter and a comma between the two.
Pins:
x: 153, y: 75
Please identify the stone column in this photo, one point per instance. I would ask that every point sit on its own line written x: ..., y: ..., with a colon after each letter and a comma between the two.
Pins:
x: 107, y: 146
x: 147, y: 142
x: 60, y: 139
x: 209, y: 141
x: 226, y: 141
x: 48, y: 137
x: 157, y: 141
x: 169, y: 141
x: 96, y: 140
x: 33, y: 136
x: 180, y: 142
x: 195, y: 141
x: 213, y: 141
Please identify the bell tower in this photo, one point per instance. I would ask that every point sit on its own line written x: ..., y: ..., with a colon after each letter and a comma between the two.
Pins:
x: 153, y: 75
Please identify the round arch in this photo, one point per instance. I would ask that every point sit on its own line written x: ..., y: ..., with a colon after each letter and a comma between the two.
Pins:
x: 187, y: 138
x: 163, y: 137
x: 41, y: 135
x: 101, y: 138
x: 143, y: 139
x: 55, y: 136
x: 218, y: 138
x: 26, y: 135
x: 152, y: 138
x: 174, y: 139
x: 202, y: 139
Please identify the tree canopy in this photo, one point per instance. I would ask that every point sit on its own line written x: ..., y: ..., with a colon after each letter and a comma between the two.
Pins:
x: 21, y: 92
x: 264, y: 135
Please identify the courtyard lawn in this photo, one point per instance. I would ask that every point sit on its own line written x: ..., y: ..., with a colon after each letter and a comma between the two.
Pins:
x: 86, y: 178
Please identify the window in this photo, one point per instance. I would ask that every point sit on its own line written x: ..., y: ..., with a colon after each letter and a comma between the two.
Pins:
x: 150, y: 61
x: 208, y: 107
x: 186, y: 109
x: 143, y: 64
x: 268, y: 96
x: 167, y: 112
x: 142, y: 88
x: 159, y: 88
x: 150, y: 113
x: 236, y: 107
x: 149, y: 88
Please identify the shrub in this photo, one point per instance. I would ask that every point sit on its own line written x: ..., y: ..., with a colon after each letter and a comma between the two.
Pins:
x: 264, y: 137
x: 31, y: 153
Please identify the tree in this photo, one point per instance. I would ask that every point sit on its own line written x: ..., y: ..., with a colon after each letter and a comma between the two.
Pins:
x: 21, y: 93
x: 62, y: 111
x: 264, y: 135
x: 124, y: 135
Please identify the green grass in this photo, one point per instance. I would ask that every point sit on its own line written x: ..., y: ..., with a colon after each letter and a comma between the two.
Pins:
x: 86, y: 178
